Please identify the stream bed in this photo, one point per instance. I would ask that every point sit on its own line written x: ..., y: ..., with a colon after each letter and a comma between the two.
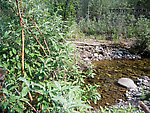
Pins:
x: 109, y: 71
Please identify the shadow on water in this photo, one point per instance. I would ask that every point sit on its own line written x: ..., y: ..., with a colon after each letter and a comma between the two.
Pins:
x: 109, y: 71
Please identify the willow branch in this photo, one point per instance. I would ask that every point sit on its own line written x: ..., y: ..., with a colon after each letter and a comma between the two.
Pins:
x: 37, y: 40
x: 21, y: 9
x: 14, y: 11
x: 41, y: 34
x: 30, y: 31
x: 19, y: 13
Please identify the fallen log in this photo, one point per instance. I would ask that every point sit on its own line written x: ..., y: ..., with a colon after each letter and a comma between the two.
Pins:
x: 144, y: 107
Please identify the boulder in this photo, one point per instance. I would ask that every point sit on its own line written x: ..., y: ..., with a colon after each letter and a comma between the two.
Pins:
x: 127, y: 82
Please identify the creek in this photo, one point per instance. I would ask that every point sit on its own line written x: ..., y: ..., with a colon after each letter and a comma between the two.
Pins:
x: 109, y: 71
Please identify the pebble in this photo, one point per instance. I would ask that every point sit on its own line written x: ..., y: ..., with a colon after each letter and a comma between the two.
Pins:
x: 145, y: 81
x: 139, y: 80
x: 138, y: 94
x: 107, y: 104
x: 119, y: 100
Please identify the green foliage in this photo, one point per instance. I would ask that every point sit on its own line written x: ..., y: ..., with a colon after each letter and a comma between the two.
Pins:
x: 112, y: 24
x: 53, y: 81
x: 142, y: 31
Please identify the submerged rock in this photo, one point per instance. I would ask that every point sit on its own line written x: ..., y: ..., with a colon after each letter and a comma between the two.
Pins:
x: 127, y: 83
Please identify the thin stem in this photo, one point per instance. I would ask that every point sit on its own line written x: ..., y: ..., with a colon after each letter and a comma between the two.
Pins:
x: 3, y: 93
x: 41, y: 34
x: 21, y: 9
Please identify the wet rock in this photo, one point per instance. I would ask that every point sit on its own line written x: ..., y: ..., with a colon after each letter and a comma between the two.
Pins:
x: 127, y: 83
x: 139, y: 80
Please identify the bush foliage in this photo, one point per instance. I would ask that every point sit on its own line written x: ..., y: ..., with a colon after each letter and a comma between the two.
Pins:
x: 51, y: 80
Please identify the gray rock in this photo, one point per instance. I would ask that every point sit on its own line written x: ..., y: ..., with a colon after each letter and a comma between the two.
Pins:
x: 95, y: 54
x: 145, y: 77
x: 138, y: 94
x: 147, y: 83
x: 139, y: 80
x: 119, y: 100
x: 107, y: 103
x: 127, y: 83
x: 86, y: 59
x: 139, y: 84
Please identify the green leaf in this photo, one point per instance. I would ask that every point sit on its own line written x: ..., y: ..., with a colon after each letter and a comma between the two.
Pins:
x: 24, y: 99
x: 82, y: 80
x: 40, y: 98
x: 5, y: 91
x: 24, y: 92
x: 19, y: 65
x: 11, y: 54
x: 13, y: 87
x: 19, y: 29
x: 7, y: 34
x: 26, y: 50
x: 58, y: 85
x: 4, y: 55
x: 19, y: 110
x: 14, y: 51
x: 79, y: 105
x: 24, y: 80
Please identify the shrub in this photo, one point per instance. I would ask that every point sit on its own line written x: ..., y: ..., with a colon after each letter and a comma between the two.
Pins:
x: 52, y: 80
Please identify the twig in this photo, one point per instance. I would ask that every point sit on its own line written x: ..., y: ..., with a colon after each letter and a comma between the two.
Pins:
x: 3, y: 93
x: 22, y: 35
x: 41, y: 34
x: 21, y: 9
x: 55, y: 75
x: 30, y: 96
x: 27, y: 102
x: 145, y: 108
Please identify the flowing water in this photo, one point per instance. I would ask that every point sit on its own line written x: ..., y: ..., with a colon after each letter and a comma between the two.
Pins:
x: 109, y: 71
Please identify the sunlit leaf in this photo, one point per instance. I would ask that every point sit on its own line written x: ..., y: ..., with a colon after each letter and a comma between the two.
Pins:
x: 24, y: 92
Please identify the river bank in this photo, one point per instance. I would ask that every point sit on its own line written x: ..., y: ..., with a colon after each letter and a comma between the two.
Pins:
x: 112, y: 61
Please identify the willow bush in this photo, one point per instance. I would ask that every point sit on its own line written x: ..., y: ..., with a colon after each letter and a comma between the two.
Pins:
x: 52, y: 81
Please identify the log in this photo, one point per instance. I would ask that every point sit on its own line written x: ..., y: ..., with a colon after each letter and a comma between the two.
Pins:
x: 144, y: 107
